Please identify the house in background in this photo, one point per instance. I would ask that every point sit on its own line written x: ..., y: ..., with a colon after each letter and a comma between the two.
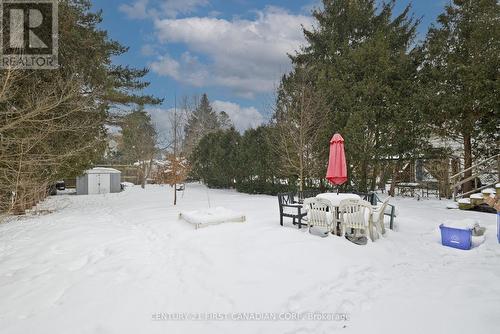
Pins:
x: 99, y: 180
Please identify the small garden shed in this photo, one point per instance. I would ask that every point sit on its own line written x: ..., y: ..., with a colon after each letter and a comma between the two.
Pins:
x: 99, y: 180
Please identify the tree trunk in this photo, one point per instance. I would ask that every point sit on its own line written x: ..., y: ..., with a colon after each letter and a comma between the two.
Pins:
x: 363, y: 186
x: 395, y: 172
x: 445, y: 190
x: 301, y: 182
x: 175, y: 193
x: 148, y: 172
x: 301, y: 168
x: 383, y: 176
x: 143, y: 176
x: 466, y: 187
x: 373, y: 183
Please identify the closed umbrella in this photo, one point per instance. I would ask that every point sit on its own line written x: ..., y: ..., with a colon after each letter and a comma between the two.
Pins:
x: 337, y: 167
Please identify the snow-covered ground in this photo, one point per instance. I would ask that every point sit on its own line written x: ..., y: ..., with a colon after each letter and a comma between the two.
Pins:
x: 113, y: 263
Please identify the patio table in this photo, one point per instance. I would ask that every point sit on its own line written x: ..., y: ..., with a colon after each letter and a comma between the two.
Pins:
x: 335, y: 200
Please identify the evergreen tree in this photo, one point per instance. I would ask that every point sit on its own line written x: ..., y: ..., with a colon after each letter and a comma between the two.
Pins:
x: 225, y: 122
x: 139, y: 141
x: 363, y: 66
x: 258, y: 163
x: 201, y: 122
x: 462, y: 61
x: 215, y: 159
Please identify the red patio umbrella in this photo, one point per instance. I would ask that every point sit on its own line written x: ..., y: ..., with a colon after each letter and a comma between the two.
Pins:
x: 337, y: 167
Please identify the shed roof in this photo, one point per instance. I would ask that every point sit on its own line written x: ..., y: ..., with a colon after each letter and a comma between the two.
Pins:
x: 102, y: 170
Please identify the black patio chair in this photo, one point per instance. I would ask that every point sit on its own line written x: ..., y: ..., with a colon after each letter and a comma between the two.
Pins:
x: 370, y: 197
x: 287, y: 201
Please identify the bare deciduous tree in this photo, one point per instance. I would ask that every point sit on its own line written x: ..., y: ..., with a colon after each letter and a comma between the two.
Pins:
x: 35, y: 132
x: 176, y: 169
x: 299, y: 114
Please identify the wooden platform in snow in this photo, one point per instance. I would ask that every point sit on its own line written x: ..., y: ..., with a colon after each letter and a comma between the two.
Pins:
x: 213, y: 216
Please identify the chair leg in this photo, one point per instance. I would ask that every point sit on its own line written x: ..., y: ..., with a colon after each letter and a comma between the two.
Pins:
x: 281, y: 220
x: 371, y: 232
x: 300, y: 222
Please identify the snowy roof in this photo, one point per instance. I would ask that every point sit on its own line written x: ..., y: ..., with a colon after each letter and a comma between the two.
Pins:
x: 155, y: 162
x: 102, y: 170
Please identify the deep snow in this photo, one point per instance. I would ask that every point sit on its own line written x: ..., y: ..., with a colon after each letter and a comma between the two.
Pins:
x: 109, y: 263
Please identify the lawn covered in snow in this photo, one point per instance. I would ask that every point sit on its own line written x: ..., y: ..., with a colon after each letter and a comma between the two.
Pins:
x: 110, y: 263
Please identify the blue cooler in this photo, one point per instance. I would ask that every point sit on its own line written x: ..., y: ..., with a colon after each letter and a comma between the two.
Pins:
x: 456, y: 237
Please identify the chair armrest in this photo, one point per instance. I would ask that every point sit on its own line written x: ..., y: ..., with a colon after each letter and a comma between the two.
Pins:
x: 393, y: 212
x: 293, y: 205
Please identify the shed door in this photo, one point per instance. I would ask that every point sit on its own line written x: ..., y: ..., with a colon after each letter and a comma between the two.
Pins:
x: 99, y: 184
x: 104, y: 183
x: 93, y: 184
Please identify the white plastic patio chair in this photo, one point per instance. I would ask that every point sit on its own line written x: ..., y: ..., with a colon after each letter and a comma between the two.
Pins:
x: 378, y: 216
x: 356, y: 215
x: 320, y: 214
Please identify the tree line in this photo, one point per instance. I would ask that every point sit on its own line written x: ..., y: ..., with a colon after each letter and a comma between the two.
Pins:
x: 362, y: 73
x: 163, y: 158
x: 53, y: 123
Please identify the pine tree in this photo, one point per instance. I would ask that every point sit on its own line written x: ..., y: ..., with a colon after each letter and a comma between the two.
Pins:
x: 462, y: 60
x: 360, y: 56
x: 224, y: 121
x: 256, y: 166
x: 215, y: 159
x: 202, y: 121
x: 139, y: 141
